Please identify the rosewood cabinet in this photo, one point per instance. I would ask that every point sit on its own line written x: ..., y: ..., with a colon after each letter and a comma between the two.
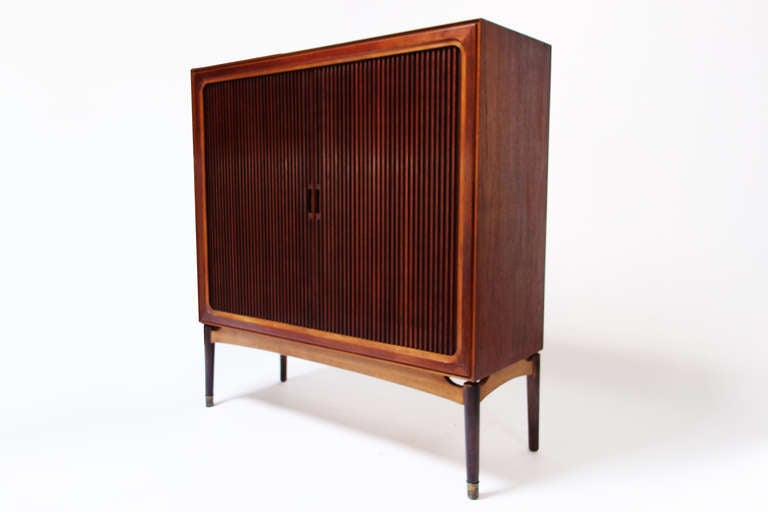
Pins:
x: 380, y: 206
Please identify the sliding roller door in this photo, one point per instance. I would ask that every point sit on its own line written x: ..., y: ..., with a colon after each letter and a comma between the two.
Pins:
x: 260, y: 157
x: 388, y: 164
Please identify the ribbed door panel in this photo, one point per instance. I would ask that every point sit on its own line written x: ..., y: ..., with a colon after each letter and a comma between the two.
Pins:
x: 388, y: 182
x: 379, y: 139
x: 260, y: 147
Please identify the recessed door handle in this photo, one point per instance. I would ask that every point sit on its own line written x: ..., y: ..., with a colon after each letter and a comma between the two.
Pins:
x: 313, y: 202
x: 310, y: 202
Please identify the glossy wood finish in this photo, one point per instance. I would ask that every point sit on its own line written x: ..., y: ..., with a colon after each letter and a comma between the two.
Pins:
x: 388, y: 170
x: 533, y: 384
x: 379, y: 138
x: 511, y: 197
x: 379, y: 206
x: 260, y: 141
x: 472, y: 436
x: 493, y: 381
x: 429, y: 381
x: 492, y: 310
x: 210, y: 350
x: 417, y: 310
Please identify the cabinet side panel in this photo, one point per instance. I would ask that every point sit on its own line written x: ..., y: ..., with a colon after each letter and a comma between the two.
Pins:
x: 511, y: 197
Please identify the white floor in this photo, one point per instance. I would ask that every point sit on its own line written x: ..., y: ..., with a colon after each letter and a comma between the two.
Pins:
x: 619, y: 432
x: 654, y: 366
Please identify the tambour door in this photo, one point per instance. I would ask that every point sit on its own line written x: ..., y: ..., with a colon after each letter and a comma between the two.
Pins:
x: 388, y: 180
x: 260, y: 148
x: 334, y: 196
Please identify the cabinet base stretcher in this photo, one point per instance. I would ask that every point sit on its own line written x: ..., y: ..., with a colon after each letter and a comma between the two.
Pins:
x: 469, y: 394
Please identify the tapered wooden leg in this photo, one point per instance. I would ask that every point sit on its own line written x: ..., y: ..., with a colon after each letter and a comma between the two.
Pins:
x: 472, y: 436
x: 533, y: 383
x: 209, y: 352
x: 283, y: 368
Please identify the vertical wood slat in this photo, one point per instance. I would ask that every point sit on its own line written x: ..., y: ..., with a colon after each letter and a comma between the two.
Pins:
x: 258, y: 152
x: 379, y: 139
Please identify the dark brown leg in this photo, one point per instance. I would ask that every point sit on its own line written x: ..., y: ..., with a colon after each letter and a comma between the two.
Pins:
x: 533, y: 384
x: 472, y: 435
x: 209, y: 352
x: 283, y: 368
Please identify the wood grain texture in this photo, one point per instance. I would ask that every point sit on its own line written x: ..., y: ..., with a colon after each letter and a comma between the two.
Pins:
x: 371, y: 266
x: 436, y: 383
x: 417, y: 378
x: 261, y: 148
x: 388, y: 165
x: 388, y: 171
x: 379, y: 206
x: 511, y: 197
x: 493, y: 381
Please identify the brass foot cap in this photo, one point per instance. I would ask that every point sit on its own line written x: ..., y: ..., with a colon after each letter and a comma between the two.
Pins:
x: 472, y: 491
x: 208, y: 401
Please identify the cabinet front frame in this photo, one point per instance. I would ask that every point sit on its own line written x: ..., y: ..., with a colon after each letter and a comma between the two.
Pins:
x: 465, y: 37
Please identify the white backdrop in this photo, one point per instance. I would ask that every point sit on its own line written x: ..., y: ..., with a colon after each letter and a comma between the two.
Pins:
x: 657, y: 265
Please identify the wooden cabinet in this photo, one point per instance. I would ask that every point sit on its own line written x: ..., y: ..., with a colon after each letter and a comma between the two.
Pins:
x: 380, y: 206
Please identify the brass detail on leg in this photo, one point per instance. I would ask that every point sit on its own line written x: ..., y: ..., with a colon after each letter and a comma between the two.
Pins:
x: 472, y: 491
x: 208, y: 401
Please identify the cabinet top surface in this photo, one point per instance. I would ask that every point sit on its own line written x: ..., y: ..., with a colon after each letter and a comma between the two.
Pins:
x: 449, y: 26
